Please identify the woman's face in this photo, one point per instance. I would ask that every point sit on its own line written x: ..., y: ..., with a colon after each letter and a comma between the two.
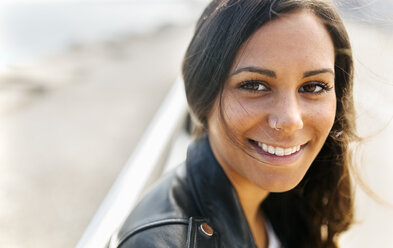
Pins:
x: 278, y: 104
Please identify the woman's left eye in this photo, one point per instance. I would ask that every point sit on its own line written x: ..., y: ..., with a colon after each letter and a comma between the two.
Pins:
x: 315, y: 88
x: 253, y: 85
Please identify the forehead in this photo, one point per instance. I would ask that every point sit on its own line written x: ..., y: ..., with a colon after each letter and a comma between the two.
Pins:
x: 298, y: 37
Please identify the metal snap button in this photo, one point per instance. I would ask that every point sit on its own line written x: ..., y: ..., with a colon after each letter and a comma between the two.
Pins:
x: 206, y: 229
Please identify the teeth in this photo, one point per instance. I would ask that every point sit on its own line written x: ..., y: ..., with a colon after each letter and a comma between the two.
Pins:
x: 270, y: 149
x: 287, y: 151
x: 279, y: 151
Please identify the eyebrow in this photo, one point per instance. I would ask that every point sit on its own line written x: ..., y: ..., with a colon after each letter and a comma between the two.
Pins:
x: 315, y: 72
x: 272, y: 74
x: 258, y: 70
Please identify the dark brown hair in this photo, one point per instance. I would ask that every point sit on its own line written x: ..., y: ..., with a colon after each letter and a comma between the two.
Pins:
x: 321, y: 206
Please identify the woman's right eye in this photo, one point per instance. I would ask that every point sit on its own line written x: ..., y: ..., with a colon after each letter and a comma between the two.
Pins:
x: 253, y: 85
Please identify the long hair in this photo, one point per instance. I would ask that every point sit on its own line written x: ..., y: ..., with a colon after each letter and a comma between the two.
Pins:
x: 321, y: 206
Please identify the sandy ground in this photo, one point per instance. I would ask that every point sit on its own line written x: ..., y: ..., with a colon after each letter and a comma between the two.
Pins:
x: 69, y: 123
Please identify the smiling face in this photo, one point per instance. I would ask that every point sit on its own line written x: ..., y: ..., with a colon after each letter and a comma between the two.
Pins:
x: 278, y: 104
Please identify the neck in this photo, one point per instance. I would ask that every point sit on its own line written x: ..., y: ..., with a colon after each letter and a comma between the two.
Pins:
x: 251, y: 197
x: 251, y: 200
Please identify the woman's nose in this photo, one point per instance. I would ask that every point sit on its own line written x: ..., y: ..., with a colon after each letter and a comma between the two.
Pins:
x: 286, y: 116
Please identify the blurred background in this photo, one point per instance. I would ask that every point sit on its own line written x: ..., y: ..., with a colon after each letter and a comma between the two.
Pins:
x: 81, y: 80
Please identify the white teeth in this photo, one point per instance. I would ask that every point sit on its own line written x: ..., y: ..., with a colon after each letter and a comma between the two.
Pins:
x: 279, y: 151
x: 270, y: 149
x: 287, y: 151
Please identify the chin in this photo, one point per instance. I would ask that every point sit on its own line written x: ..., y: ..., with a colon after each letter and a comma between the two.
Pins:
x: 279, y: 183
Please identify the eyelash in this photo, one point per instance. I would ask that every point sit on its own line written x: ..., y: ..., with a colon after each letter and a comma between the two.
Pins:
x: 324, y: 86
x: 249, y: 83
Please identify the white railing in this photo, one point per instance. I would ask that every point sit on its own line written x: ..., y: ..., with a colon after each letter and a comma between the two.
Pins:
x: 145, y: 166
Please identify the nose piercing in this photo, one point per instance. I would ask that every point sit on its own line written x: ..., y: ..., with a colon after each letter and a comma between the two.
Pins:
x: 275, y: 126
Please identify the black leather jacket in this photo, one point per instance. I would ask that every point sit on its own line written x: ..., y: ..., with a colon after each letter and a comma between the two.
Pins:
x: 181, y: 207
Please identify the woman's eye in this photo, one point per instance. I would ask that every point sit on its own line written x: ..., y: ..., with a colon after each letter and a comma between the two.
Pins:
x: 253, y: 86
x: 316, y: 88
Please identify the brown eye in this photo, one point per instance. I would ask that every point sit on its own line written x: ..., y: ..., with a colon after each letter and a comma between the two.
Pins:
x: 253, y: 86
x: 314, y: 87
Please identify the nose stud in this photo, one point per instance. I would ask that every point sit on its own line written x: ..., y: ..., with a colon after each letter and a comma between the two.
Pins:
x: 287, y: 122
x: 275, y: 125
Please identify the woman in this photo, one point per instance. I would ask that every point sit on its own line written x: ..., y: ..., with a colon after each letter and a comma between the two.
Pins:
x: 269, y: 84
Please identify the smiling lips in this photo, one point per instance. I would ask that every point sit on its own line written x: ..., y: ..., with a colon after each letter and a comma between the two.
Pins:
x: 278, y: 151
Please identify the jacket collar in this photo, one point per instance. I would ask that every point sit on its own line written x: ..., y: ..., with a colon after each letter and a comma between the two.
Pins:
x: 215, y: 196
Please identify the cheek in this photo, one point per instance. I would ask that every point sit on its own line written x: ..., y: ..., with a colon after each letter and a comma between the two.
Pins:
x: 222, y: 134
x: 242, y: 114
x: 321, y: 115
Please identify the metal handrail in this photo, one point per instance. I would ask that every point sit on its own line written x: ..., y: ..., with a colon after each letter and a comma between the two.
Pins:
x: 144, y: 167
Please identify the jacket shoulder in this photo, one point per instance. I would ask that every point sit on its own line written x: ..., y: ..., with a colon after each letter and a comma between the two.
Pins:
x: 167, y: 216
x: 170, y: 198
x: 174, y: 233
x: 156, y: 234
